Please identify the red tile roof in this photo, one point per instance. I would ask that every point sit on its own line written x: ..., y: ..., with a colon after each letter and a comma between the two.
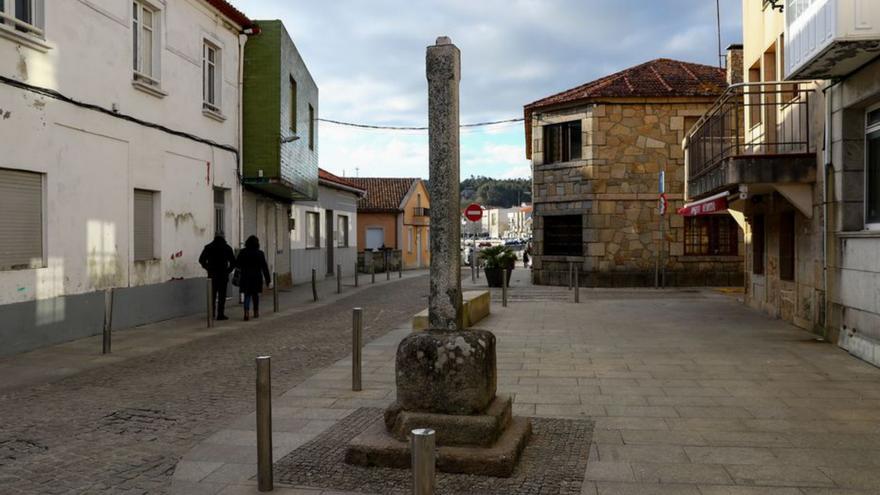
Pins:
x: 659, y: 78
x: 384, y: 195
x: 326, y: 176
x: 231, y: 12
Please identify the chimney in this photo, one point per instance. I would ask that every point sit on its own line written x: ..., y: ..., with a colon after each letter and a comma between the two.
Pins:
x: 734, y: 64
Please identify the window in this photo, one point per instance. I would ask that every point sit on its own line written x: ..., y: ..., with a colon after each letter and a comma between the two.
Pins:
x: 25, y: 16
x: 219, y: 211
x: 753, y: 94
x: 292, y: 105
x: 409, y: 239
x: 711, y: 235
x: 758, y: 245
x: 313, y: 229
x: 145, y: 43
x: 342, y: 231
x: 562, y: 142
x: 143, y: 225
x: 21, y: 223
x: 563, y: 235
x: 375, y: 238
x: 872, y: 170
x: 786, y: 246
x: 311, y: 127
x: 211, y: 77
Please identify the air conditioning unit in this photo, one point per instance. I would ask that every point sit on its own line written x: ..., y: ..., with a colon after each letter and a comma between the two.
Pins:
x: 825, y: 39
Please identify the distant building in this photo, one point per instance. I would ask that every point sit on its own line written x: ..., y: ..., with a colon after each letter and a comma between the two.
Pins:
x: 394, y: 214
x: 324, y: 232
x: 519, y: 222
x: 597, y: 153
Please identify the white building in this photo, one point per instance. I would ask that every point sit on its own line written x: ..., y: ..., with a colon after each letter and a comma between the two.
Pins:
x: 325, y: 231
x: 120, y: 134
x: 498, y: 220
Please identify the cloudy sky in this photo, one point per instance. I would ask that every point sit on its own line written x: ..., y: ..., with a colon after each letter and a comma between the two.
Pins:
x: 368, y: 58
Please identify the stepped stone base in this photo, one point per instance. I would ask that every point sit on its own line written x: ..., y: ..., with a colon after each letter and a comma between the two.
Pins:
x: 376, y: 447
x: 480, y: 430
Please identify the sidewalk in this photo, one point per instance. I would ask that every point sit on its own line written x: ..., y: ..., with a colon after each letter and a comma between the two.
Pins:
x: 53, y: 363
x: 691, y: 393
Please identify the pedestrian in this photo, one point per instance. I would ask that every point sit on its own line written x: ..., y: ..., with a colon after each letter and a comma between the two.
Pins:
x: 253, y: 270
x: 218, y: 260
x: 526, y: 257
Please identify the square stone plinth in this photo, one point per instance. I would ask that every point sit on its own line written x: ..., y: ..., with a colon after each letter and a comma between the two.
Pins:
x: 475, y: 430
x: 376, y: 447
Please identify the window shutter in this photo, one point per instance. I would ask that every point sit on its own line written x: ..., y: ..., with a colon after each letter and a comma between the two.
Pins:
x: 21, y: 221
x: 143, y: 225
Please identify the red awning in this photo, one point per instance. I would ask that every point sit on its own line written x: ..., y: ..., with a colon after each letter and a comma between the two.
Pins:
x: 705, y: 206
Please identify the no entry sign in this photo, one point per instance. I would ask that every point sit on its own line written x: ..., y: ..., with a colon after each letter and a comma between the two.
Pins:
x: 473, y: 212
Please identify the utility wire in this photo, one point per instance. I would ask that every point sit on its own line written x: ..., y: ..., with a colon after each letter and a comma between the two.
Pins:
x: 416, y: 128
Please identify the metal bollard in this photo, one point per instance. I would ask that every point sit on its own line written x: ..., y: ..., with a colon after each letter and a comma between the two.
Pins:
x: 210, y: 302
x: 473, y: 269
x: 400, y: 267
x: 423, y: 462
x: 356, y: 271
x: 108, y: 320
x: 570, y: 274
x: 478, y: 268
x: 372, y: 271
x: 274, y: 292
x: 338, y: 278
x: 577, y: 286
x: 504, y: 283
x: 264, y: 424
x: 387, y: 267
x: 357, y: 342
x: 314, y: 284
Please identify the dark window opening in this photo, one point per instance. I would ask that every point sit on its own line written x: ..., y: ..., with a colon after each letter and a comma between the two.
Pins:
x: 758, y: 245
x: 711, y: 235
x: 872, y: 192
x: 563, y: 235
x: 562, y: 142
x: 786, y: 246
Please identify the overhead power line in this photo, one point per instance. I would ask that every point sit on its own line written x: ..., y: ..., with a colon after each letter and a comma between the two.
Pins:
x: 416, y: 128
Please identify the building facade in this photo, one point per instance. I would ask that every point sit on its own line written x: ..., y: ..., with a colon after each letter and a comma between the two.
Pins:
x: 598, y: 152
x: 324, y: 232
x: 113, y: 178
x: 394, y: 214
x: 280, y: 141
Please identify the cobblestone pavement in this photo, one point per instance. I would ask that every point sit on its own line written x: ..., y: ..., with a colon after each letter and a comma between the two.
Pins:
x: 122, y: 428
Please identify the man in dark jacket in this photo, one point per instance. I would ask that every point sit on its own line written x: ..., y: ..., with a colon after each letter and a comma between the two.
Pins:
x: 218, y: 260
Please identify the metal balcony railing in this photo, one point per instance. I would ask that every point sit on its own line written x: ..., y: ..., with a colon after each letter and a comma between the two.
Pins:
x: 420, y: 211
x: 766, y: 118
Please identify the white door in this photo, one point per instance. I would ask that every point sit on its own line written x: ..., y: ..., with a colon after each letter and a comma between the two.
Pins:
x: 375, y: 238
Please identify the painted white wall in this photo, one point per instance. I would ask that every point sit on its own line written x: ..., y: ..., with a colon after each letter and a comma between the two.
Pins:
x: 303, y: 259
x: 92, y: 161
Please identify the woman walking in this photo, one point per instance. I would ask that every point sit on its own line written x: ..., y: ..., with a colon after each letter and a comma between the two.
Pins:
x: 252, y: 264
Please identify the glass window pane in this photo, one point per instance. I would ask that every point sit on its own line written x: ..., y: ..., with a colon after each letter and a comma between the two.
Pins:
x: 148, y: 18
x: 872, y: 179
x: 211, y: 84
x: 147, y: 52
x: 134, y: 41
x: 23, y: 11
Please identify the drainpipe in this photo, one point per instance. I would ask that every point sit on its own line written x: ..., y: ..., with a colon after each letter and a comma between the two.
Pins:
x: 242, y: 39
x: 827, y: 167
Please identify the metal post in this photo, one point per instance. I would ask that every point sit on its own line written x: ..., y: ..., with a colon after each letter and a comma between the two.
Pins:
x: 662, y: 250
x: 504, y: 283
x: 423, y: 462
x: 387, y: 268
x: 356, y: 270
x: 473, y: 268
x: 314, y: 284
x: 338, y: 278
x: 570, y: 274
x: 209, y: 299
x: 357, y: 342
x: 577, y: 286
x: 264, y: 424
x: 400, y: 266
x: 372, y: 269
x: 274, y: 292
x: 108, y: 320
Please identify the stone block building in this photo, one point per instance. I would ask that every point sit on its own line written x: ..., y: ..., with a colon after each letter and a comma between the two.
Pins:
x: 598, y: 152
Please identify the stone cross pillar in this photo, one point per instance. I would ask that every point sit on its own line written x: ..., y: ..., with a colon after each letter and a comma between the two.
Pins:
x: 443, y: 62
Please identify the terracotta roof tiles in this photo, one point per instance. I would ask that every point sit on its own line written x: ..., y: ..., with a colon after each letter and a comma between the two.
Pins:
x: 383, y: 194
x: 335, y: 179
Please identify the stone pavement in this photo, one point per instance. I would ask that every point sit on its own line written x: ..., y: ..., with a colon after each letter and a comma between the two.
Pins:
x: 122, y: 426
x: 691, y: 393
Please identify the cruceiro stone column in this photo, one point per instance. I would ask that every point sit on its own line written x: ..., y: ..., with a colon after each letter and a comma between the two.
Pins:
x: 446, y: 376
x: 443, y: 63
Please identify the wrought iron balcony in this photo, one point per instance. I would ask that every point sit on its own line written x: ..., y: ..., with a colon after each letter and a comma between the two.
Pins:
x: 754, y: 133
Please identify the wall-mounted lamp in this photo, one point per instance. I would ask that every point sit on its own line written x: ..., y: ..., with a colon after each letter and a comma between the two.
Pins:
x: 289, y: 139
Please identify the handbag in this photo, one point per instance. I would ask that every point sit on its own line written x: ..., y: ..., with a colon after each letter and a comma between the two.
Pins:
x: 236, y: 277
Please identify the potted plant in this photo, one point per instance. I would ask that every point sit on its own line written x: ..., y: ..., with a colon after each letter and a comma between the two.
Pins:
x: 495, y: 259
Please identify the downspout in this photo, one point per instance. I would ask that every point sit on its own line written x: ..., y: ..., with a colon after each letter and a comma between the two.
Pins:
x: 242, y: 39
x: 827, y: 167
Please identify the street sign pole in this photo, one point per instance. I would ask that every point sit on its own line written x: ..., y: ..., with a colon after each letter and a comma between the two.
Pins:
x: 661, y: 209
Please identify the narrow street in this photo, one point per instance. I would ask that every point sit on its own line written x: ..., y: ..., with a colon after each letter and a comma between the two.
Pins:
x: 122, y: 427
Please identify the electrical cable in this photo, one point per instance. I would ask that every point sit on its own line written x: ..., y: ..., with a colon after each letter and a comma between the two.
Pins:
x: 416, y: 128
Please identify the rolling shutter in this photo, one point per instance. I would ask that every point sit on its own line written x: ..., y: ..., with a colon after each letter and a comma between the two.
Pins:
x: 21, y: 219
x: 143, y: 225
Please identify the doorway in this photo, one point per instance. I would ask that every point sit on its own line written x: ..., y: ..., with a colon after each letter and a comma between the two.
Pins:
x: 330, y: 240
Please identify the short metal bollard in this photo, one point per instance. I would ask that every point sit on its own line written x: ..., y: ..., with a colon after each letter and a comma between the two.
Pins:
x: 264, y: 424
x: 108, y: 320
x: 357, y: 342
x: 504, y: 283
x: 570, y: 274
x: 314, y: 284
x: 478, y: 268
x: 473, y: 269
x: 209, y: 302
x: 387, y: 267
x: 577, y: 286
x: 400, y: 267
x: 274, y: 292
x: 372, y: 271
x: 339, y: 279
x: 356, y: 271
x: 423, y: 461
